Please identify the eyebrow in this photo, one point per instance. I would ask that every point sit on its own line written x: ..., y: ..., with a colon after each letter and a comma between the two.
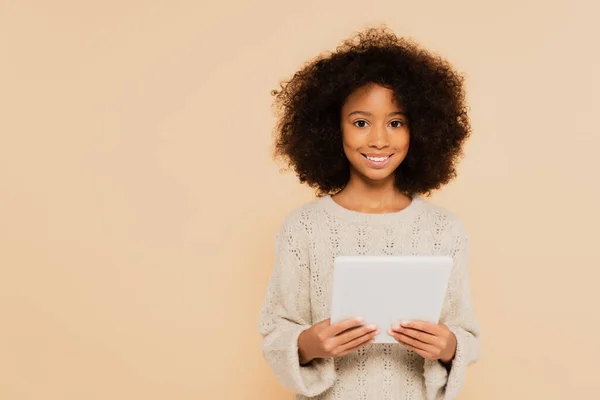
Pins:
x: 369, y: 114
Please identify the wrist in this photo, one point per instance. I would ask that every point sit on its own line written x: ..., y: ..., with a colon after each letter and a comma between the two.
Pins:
x: 448, y: 358
x: 447, y: 361
x: 303, y: 355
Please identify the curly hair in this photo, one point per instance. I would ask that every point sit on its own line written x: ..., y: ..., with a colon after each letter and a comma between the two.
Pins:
x: 308, y: 134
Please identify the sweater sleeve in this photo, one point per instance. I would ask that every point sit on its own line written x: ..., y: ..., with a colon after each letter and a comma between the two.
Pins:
x: 286, y: 312
x: 443, y: 383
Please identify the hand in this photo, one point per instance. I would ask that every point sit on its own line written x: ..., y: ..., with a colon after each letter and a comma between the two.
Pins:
x: 430, y: 341
x: 323, y: 340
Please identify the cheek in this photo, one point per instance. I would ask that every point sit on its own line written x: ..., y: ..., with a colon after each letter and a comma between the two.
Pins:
x: 402, y: 141
x: 351, y: 142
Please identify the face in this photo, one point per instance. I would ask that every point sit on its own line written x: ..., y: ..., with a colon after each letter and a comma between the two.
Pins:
x: 375, y: 133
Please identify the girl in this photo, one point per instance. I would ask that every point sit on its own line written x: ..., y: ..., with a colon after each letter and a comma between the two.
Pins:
x: 372, y: 127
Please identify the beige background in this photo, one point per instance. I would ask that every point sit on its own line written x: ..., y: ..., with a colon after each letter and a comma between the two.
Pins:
x: 139, y: 200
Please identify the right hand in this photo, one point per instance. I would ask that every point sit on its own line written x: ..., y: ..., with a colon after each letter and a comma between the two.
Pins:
x: 323, y: 340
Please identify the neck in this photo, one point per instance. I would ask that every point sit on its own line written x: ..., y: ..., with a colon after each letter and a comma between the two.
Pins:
x: 371, y: 196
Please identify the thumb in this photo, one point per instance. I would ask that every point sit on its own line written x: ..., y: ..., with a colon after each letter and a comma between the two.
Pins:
x: 324, y: 323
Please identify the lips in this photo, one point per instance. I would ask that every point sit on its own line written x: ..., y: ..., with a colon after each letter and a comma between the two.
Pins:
x: 377, y: 160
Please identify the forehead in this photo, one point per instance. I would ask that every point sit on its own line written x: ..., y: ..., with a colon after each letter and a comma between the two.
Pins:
x: 371, y: 96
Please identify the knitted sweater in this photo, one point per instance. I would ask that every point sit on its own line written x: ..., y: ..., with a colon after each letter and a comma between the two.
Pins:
x: 299, y: 295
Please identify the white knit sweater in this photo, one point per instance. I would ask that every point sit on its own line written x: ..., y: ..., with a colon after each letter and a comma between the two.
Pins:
x: 298, y: 296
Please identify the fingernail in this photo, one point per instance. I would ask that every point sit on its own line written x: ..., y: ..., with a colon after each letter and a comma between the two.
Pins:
x: 405, y: 323
x: 360, y: 319
x: 372, y: 326
x: 396, y: 326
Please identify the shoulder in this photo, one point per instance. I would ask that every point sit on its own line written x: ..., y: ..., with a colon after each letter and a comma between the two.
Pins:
x: 441, y: 219
x: 302, y: 219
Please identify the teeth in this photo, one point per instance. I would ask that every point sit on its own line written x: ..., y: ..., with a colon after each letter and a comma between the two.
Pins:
x: 378, y: 159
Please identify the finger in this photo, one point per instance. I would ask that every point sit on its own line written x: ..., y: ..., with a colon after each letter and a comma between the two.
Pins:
x: 422, y: 326
x: 418, y: 335
x: 359, y: 341
x: 342, y: 326
x: 415, y: 343
x: 420, y: 352
x: 356, y: 347
x: 355, y: 334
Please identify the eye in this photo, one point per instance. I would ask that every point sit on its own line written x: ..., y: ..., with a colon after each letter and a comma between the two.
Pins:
x: 398, y: 122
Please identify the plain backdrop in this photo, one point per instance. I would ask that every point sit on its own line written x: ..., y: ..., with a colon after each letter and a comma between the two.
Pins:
x: 139, y: 200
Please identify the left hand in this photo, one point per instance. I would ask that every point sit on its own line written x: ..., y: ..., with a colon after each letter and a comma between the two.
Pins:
x: 430, y: 341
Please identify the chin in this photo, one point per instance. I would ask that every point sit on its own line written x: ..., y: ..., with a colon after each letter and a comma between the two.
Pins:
x: 378, y: 175
x: 373, y: 174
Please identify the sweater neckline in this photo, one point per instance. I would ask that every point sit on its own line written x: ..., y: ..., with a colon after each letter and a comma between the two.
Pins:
x: 372, y: 218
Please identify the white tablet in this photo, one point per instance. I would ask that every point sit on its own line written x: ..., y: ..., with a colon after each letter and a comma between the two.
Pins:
x: 388, y: 289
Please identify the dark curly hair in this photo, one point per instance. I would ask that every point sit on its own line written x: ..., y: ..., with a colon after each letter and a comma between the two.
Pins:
x: 308, y: 135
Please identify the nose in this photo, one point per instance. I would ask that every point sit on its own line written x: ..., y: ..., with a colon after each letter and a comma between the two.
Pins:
x: 378, y: 138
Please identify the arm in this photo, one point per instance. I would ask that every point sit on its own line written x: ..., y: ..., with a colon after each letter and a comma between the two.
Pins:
x: 444, y: 380
x: 285, y: 314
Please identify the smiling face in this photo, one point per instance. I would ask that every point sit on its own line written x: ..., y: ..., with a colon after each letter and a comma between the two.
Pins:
x: 375, y: 134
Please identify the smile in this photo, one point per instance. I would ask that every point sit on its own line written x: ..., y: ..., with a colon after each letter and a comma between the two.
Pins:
x: 377, y: 160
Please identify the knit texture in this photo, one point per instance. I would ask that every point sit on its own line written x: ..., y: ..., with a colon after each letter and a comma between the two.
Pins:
x: 299, y: 295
